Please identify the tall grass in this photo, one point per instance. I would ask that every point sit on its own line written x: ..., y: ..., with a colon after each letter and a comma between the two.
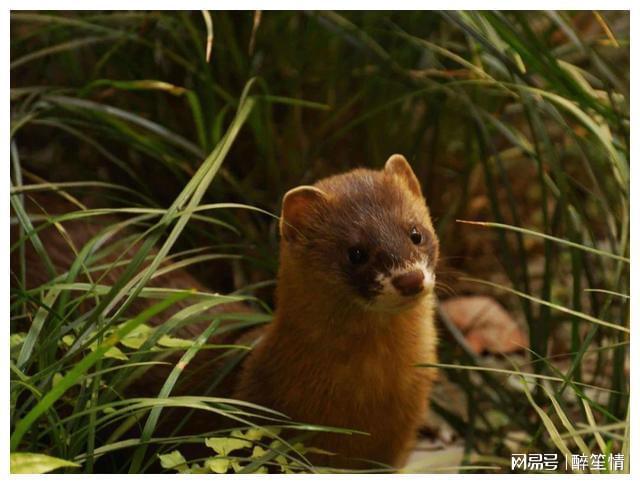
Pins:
x: 516, y: 120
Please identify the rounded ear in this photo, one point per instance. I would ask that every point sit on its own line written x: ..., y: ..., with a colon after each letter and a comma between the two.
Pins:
x: 299, y: 205
x: 399, y: 166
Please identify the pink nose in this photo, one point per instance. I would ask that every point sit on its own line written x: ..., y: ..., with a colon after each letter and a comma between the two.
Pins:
x: 410, y: 283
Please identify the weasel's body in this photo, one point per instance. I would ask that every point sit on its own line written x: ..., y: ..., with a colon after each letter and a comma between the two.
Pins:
x: 354, y: 315
x: 353, y: 319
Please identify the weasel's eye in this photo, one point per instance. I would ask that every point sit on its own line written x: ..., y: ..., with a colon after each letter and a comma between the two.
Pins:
x: 416, y: 236
x: 357, y: 255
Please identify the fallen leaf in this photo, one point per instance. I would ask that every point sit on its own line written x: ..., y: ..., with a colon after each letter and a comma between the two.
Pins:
x: 485, y: 324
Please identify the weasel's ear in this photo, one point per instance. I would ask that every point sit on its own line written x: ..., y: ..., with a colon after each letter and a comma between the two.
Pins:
x: 399, y: 166
x: 300, y: 205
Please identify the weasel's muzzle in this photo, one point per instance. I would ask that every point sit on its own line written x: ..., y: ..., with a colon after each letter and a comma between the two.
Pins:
x: 409, y: 283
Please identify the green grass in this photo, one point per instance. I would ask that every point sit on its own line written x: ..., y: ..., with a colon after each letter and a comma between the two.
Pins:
x: 518, y: 121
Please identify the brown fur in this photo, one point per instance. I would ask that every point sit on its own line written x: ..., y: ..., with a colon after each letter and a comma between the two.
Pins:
x: 328, y: 359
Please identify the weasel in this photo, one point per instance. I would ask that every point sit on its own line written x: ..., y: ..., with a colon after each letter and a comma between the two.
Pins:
x: 354, y: 315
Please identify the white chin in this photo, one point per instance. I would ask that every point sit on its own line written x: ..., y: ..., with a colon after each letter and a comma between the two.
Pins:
x: 394, y: 302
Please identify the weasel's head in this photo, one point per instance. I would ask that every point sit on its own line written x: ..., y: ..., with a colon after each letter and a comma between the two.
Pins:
x: 366, y: 233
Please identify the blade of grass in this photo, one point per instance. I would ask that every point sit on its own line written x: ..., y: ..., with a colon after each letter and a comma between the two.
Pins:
x: 168, y: 385
x: 23, y: 425
x: 557, y: 307
x: 547, y: 422
x: 547, y: 237
x: 592, y: 422
x: 209, y: 25
x: 63, y: 47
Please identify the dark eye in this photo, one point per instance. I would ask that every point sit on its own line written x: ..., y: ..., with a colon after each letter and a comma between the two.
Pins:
x: 357, y: 255
x: 416, y: 236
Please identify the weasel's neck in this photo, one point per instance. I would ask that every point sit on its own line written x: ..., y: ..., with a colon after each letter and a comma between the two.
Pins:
x: 324, y: 313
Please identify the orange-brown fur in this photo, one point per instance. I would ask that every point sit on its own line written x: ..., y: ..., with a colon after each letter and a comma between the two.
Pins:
x: 325, y: 360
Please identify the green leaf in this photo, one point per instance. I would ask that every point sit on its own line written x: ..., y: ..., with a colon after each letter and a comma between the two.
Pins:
x: 171, y: 342
x: 174, y: 460
x: 28, y: 463
x: 282, y: 460
x: 116, y: 354
x: 137, y: 337
x: 196, y: 469
x: 300, y: 448
x: 16, y: 341
x: 237, y: 467
x: 225, y: 445
x: 258, y: 451
x: 57, y: 378
x: 68, y: 339
x: 218, y: 465
x: 257, y: 433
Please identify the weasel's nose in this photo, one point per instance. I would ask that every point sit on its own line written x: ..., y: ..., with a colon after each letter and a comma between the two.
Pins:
x: 410, y: 283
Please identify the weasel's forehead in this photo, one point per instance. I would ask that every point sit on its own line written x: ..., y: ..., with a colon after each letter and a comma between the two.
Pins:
x: 374, y: 212
x: 365, y: 195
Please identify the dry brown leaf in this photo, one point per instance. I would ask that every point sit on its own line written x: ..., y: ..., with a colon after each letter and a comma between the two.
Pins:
x: 485, y: 324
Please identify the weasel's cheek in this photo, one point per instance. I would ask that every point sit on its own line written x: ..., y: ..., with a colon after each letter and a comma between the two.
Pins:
x: 365, y: 287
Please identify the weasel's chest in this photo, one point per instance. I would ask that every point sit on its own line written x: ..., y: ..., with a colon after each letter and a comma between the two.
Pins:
x: 362, y: 385
x: 368, y: 384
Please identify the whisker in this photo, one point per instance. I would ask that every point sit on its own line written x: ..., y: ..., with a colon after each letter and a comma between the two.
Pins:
x: 446, y: 288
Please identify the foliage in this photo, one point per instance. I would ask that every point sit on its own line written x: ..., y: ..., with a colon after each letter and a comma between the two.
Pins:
x: 264, y: 450
x: 518, y: 120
